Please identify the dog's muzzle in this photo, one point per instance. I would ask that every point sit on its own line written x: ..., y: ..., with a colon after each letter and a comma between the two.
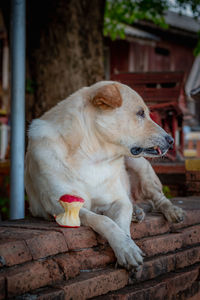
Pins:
x: 156, y: 150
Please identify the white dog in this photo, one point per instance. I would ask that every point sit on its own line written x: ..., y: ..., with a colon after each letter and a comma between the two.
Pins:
x: 82, y: 147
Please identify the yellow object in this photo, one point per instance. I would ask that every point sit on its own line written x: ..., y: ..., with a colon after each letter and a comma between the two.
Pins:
x: 192, y: 164
x: 3, y: 112
x: 190, y: 152
x: 70, y: 218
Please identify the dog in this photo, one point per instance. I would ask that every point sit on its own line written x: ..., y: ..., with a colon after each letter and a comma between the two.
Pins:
x: 94, y: 144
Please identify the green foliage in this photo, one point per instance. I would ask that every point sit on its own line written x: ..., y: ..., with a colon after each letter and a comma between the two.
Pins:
x: 4, y: 205
x: 30, y: 86
x: 197, y: 49
x: 118, y: 13
x: 167, y: 192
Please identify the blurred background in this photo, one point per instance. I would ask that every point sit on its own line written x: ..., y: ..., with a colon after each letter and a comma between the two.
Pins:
x: 153, y: 46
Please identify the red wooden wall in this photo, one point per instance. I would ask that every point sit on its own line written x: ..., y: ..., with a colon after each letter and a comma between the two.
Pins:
x: 137, y: 56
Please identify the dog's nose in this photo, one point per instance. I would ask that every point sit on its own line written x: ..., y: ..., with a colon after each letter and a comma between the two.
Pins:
x: 169, y: 140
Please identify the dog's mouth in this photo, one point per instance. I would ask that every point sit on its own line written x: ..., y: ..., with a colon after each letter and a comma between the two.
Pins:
x: 155, y: 151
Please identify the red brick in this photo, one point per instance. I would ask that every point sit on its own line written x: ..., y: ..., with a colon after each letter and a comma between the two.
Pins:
x: 170, y: 242
x: 47, y: 244
x: 187, y: 257
x: 54, y: 271
x: 72, y: 263
x: 40, y: 243
x: 190, y: 235
x: 155, y: 267
x: 69, y: 265
x: 93, y: 284
x: 193, y: 186
x: 47, y: 294
x: 152, y: 290
x: 19, y: 233
x: 2, y: 287
x: 86, y: 259
x: 14, y: 252
x: 151, y: 225
x: 180, y: 281
x: 192, y: 176
x: 31, y: 276
x: 166, y: 287
x: 192, y: 217
x: 167, y: 263
x: 160, y: 244
x: 93, y: 258
x: 32, y: 223
x: 77, y: 238
x: 189, y: 293
x: 155, y: 224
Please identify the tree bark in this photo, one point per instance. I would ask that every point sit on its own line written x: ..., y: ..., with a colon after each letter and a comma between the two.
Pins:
x: 64, y: 47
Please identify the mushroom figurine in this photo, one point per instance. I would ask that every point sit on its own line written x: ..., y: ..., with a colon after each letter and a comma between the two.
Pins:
x: 72, y: 206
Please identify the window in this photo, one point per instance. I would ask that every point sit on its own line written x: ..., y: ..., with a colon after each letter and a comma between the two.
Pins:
x: 162, y: 51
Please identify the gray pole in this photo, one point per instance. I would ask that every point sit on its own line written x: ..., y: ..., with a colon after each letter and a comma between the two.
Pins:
x: 17, y: 108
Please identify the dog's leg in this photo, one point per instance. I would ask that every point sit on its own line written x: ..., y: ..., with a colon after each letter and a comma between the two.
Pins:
x: 127, y: 252
x: 48, y: 175
x: 138, y: 214
x: 150, y: 188
x: 121, y: 212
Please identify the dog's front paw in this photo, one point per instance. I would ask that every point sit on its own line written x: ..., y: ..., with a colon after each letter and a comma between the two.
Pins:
x: 172, y: 213
x: 128, y: 254
x: 138, y: 214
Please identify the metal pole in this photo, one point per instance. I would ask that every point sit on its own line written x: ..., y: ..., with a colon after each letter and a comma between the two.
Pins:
x: 17, y: 108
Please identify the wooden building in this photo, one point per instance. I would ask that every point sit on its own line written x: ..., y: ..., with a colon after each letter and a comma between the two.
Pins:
x: 147, y: 47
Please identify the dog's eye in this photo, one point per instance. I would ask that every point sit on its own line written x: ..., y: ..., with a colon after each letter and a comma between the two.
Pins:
x: 141, y: 113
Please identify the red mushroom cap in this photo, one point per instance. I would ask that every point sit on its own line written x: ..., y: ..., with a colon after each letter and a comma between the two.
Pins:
x: 70, y: 199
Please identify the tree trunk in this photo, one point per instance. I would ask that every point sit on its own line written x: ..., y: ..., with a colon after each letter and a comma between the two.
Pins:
x: 65, y: 49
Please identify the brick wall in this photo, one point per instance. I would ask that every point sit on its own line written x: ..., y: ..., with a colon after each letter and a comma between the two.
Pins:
x: 39, y: 260
x: 193, y: 176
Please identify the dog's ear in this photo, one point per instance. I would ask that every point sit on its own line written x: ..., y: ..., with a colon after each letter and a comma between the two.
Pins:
x: 107, y: 96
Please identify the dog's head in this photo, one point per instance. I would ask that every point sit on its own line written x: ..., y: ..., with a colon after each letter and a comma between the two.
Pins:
x: 122, y: 118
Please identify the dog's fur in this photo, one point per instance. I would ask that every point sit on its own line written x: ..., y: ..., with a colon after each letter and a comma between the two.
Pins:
x: 82, y: 147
